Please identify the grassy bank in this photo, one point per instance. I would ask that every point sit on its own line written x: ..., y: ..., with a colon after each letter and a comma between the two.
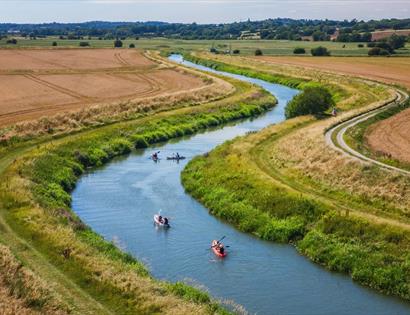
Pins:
x: 355, y: 137
x: 87, y: 273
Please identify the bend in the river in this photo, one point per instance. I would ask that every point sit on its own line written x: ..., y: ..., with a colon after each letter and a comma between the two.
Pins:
x: 119, y: 201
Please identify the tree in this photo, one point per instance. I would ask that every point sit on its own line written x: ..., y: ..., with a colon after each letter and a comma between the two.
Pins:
x: 299, y: 50
x: 54, y: 44
x: 117, y: 43
x: 12, y: 41
x: 312, y: 101
x: 131, y: 45
x: 258, y: 52
x: 320, y: 51
x: 396, y: 41
x: 378, y: 51
x: 236, y: 51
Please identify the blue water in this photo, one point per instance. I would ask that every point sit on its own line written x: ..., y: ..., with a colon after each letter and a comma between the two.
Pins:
x: 119, y: 200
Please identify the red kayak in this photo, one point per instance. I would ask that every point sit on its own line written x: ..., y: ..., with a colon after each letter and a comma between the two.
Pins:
x: 216, y: 249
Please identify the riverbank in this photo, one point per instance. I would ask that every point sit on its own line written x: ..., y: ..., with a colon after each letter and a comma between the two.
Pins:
x: 83, y: 271
x: 285, y: 184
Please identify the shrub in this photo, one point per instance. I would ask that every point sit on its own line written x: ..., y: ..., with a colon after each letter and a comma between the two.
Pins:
x: 213, y: 50
x: 131, y: 45
x: 236, y: 52
x: 377, y: 51
x: 54, y: 44
x: 258, y: 52
x: 320, y: 51
x: 117, y: 43
x: 312, y: 101
x: 137, y: 38
x: 84, y: 44
x: 12, y: 41
x: 360, y: 45
x: 299, y: 51
x: 140, y: 142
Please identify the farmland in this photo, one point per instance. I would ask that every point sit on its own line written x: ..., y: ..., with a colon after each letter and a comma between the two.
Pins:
x: 388, y: 70
x: 246, y: 47
x: 46, y: 82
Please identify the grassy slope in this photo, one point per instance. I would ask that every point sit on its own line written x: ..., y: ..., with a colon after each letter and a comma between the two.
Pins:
x: 345, y: 231
x: 247, y: 47
x: 88, y: 274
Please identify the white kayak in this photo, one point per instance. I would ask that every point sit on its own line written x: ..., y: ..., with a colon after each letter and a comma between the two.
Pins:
x: 160, y: 223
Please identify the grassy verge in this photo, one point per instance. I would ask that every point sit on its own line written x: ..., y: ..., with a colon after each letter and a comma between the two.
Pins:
x: 230, y: 182
x: 355, y: 137
x: 35, y: 207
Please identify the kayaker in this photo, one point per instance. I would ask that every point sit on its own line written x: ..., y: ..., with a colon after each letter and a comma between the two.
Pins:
x: 177, y: 155
x: 221, y: 249
x: 160, y: 219
x: 166, y: 221
x: 155, y: 156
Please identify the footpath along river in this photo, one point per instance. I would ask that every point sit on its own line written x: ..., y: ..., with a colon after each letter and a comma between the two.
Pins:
x: 119, y: 200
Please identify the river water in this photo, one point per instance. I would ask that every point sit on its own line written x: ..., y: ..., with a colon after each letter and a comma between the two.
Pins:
x: 119, y: 200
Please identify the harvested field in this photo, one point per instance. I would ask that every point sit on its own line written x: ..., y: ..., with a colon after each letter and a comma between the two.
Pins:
x: 391, y: 137
x: 389, y: 70
x: 79, y: 59
x: 37, y: 83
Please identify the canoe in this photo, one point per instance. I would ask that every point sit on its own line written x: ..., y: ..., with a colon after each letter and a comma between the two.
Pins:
x: 159, y: 223
x: 176, y: 158
x: 215, y: 249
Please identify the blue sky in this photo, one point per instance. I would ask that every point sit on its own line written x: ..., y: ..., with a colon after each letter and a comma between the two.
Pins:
x: 200, y: 11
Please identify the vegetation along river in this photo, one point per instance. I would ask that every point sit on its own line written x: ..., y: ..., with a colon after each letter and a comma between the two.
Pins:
x: 119, y: 201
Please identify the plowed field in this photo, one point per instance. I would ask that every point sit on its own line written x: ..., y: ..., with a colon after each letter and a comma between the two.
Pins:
x: 36, y: 83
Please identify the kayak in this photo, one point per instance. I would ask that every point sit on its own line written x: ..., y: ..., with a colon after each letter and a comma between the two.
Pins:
x: 176, y: 158
x: 215, y: 249
x: 158, y: 222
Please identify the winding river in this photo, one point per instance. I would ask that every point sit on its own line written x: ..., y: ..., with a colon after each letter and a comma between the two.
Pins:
x: 119, y: 201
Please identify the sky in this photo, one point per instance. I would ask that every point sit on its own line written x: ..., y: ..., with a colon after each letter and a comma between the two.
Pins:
x: 200, y: 11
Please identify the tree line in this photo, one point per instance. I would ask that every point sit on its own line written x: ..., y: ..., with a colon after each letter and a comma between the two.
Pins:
x: 280, y: 28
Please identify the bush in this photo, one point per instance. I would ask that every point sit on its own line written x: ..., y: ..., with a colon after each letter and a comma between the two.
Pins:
x: 84, y: 44
x: 131, y: 46
x: 360, y: 45
x: 213, y: 50
x: 312, y: 101
x: 236, y: 51
x: 12, y: 41
x: 258, y: 52
x: 117, y: 43
x: 377, y: 51
x: 140, y: 142
x: 54, y: 44
x: 320, y: 51
x: 299, y: 51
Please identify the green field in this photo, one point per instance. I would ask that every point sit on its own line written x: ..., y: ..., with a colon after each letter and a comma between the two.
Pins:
x: 246, y: 47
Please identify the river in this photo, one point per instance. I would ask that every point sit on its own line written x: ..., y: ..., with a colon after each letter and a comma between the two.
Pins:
x: 119, y: 200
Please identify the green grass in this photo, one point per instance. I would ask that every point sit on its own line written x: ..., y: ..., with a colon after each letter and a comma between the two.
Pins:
x: 269, y: 47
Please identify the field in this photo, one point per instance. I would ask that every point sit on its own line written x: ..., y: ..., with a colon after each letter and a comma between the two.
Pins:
x: 391, y: 137
x: 389, y: 70
x: 246, y: 47
x: 46, y: 82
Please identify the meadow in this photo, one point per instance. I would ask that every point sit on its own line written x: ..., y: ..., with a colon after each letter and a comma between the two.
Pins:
x: 246, y: 47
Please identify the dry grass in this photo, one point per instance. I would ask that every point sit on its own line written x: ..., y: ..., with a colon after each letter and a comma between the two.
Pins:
x: 22, y: 292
